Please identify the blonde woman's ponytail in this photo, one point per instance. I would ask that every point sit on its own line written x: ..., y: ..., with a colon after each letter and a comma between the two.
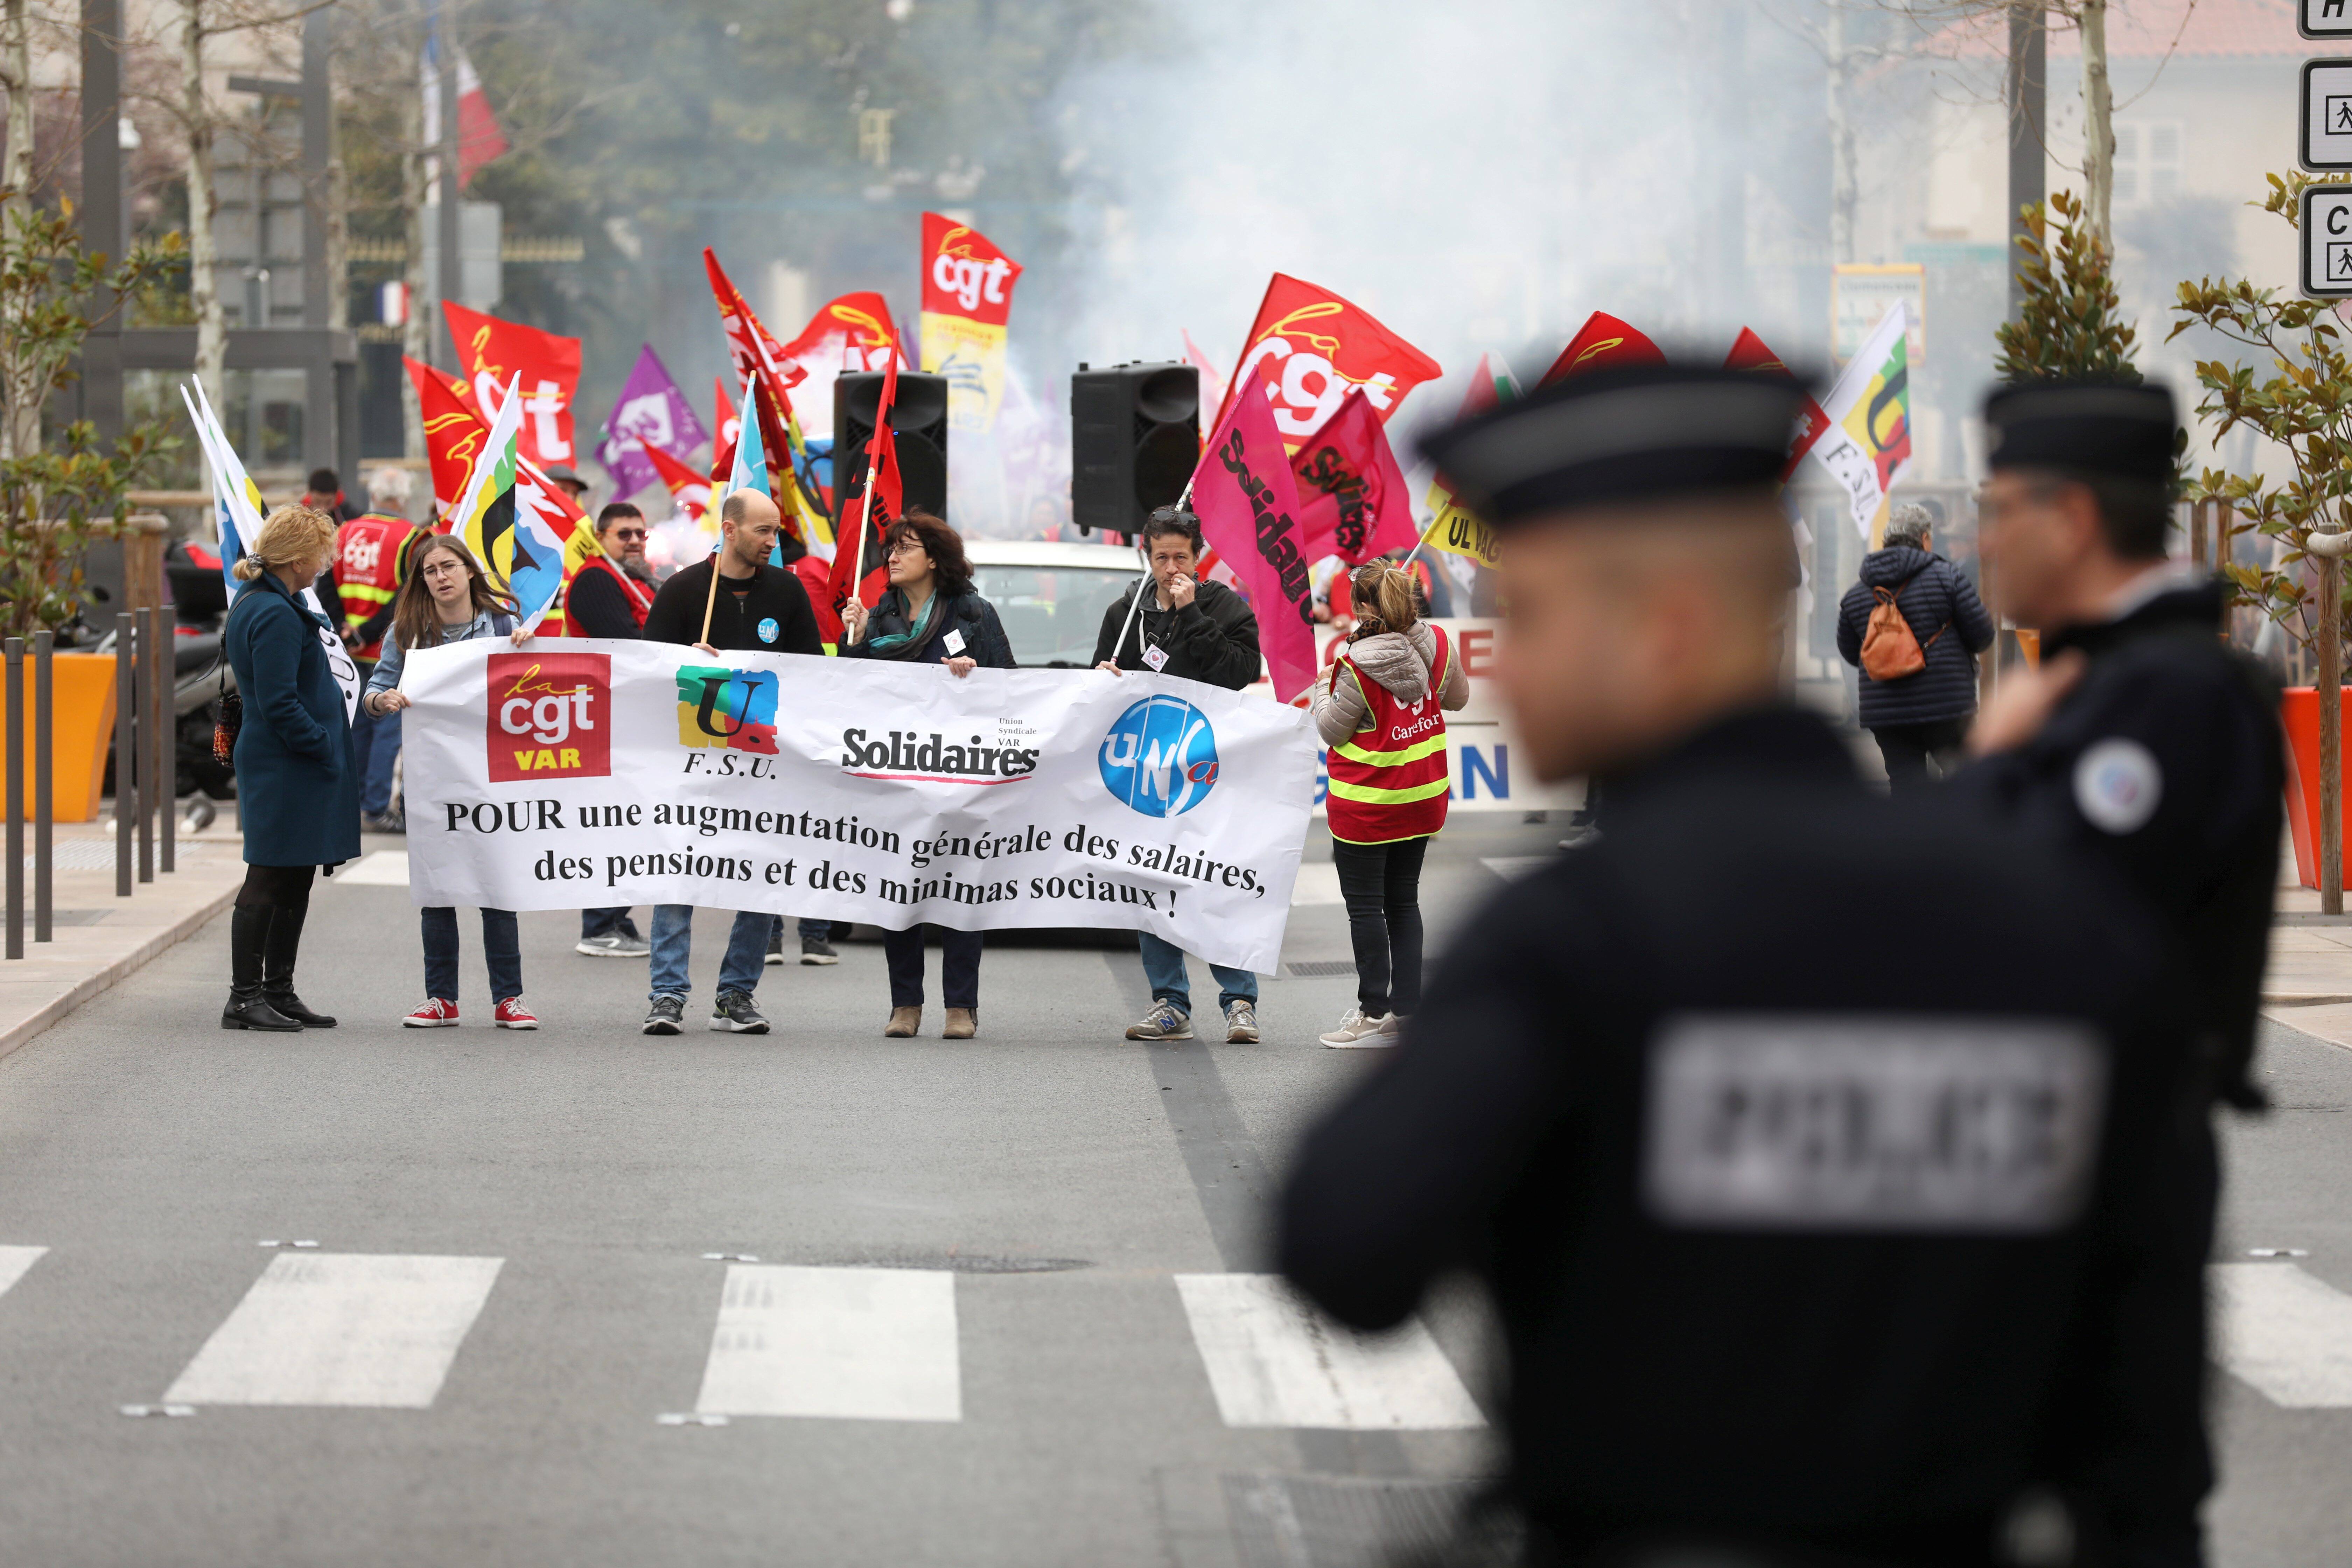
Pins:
x: 290, y: 536
x: 1386, y: 594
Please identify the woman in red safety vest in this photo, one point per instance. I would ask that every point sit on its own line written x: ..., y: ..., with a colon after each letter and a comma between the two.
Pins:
x: 1380, y: 709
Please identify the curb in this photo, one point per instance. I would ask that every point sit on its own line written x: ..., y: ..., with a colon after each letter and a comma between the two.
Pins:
x: 55, y: 1011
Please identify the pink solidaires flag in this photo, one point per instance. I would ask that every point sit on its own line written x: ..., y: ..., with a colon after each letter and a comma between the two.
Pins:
x: 1352, y: 499
x: 1248, y: 506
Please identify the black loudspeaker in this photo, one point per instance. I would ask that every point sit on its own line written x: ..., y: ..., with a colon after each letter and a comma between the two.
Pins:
x: 1135, y: 436
x: 919, y: 419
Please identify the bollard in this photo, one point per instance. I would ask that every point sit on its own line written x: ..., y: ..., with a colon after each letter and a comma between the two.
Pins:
x: 126, y: 789
x: 16, y: 657
x: 44, y: 806
x: 163, y: 671
x: 142, y: 701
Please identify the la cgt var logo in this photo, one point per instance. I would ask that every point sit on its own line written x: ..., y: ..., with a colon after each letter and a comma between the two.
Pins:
x: 550, y: 716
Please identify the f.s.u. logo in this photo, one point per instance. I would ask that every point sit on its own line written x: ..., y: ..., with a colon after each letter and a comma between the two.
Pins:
x: 1161, y: 757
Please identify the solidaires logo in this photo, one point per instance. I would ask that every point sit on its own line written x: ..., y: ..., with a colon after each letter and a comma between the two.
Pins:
x: 1161, y: 757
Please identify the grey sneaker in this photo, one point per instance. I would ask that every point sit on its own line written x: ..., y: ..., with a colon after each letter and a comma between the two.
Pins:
x: 614, y: 943
x: 733, y: 1014
x: 666, y: 1015
x: 1241, y: 1024
x: 816, y: 950
x: 1166, y: 1021
x: 776, y: 944
x: 1358, y: 1033
x: 390, y: 821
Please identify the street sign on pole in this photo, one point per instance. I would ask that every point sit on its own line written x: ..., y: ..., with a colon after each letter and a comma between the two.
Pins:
x: 2326, y: 142
x: 2324, y: 18
x: 2326, y: 220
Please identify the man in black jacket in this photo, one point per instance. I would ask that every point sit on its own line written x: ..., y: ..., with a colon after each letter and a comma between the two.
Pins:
x: 755, y: 607
x: 1203, y: 632
x: 1924, y: 715
x: 2142, y: 739
x: 1801, y: 1257
x: 610, y: 596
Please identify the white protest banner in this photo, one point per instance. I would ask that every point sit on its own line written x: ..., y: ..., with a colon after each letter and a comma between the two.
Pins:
x: 588, y: 772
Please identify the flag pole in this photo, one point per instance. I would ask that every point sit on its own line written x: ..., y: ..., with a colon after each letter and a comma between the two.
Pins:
x: 1135, y: 605
x: 865, y: 522
x: 711, y: 600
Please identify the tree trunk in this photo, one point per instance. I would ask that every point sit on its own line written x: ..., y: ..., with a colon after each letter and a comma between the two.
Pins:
x: 2331, y: 735
x: 204, y: 206
x: 2098, y: 124
x: 1844, y: 182
x: 415, y: 340
x: 20, y: 406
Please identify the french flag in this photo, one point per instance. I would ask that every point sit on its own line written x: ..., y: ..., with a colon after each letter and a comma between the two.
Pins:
x: 479, y: 139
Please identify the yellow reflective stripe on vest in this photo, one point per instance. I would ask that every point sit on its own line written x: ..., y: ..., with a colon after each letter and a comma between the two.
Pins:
x: 1428, y: 746
x: 361, y: 590
x: 1370, y: 796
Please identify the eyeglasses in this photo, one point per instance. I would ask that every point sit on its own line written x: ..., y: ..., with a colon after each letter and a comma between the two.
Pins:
x: 625, y: 534
x: 906, y: 547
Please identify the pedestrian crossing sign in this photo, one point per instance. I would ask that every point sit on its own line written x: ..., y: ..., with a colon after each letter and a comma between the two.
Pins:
x: 2325, y: 221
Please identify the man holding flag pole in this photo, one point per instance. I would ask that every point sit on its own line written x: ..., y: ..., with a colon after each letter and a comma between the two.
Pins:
x: 733, y: 599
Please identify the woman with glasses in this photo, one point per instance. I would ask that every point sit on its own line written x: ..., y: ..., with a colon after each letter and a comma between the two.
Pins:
x: 929, y: 614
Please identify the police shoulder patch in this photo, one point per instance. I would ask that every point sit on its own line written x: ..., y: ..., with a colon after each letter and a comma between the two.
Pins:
x: 2117, y: 785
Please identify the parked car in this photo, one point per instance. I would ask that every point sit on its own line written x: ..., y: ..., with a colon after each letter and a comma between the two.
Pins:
x: 1051, y: 597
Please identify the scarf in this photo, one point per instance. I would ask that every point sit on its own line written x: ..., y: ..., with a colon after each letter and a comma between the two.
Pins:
x: 914, y: 639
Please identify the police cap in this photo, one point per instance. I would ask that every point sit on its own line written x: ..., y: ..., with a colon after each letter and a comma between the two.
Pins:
x: 1632, y: 433
x: 2082, y: 426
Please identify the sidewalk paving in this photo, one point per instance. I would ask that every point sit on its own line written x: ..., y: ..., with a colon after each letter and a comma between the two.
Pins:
x: 98, y: 938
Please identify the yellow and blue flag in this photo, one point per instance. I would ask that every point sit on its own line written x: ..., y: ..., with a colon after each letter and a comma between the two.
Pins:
x: 504, y: 528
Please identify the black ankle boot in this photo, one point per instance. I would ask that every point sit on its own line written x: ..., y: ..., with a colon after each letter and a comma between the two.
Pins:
x: 278, y: 953
x: 248, y: 932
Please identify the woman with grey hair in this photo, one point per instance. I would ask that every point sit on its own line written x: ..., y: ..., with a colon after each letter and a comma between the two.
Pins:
x: 1922, y: 716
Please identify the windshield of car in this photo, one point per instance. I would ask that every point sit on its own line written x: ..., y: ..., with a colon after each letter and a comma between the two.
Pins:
x: 1052, y: 614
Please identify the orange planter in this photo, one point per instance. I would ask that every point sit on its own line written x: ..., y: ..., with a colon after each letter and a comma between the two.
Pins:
x: 2299, y: 712
x: 82, y: 685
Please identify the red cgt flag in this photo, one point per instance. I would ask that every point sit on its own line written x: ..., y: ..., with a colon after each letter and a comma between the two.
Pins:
x: 759, y: 361
x: 1749, y: 352
x: 1309, y: 347
x: 1351, y: 494
x: 492, y: 352
x: 1603, y: 340
x: 688, y: 489
x: 874, y: 514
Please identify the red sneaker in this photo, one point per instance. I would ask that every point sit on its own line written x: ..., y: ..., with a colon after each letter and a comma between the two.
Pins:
x: 436, y: 1013
x: 511, y: 1013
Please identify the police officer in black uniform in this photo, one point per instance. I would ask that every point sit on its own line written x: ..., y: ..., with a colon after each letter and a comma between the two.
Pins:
x: 1819, y: 1224
x: 2142, y: 739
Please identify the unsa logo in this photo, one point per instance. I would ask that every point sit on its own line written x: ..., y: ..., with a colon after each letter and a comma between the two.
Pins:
x: 550, y: 716
x: 1160, y: 756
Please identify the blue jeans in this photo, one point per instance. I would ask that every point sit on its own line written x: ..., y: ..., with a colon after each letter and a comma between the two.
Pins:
x: 746, y: 950
x: 1163, y: 966
x: 596, y: 923
x: 501, y: 951
x: 377, y: 743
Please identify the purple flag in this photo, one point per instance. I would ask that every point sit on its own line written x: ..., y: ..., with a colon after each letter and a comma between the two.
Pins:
x: 652, y: 409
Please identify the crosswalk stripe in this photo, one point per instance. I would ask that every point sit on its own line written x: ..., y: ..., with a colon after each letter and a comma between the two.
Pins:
x: 877, y: 1344
x: 2285, y: 1332
x: 1272, y: 1361
x: 14, y: 1261
x: 348, y: 1328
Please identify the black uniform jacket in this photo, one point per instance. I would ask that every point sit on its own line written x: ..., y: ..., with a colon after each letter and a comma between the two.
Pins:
x: 774, y: 596
x: 1690, y: 1352
x: 1213, y: 639
x: 2166, y: 711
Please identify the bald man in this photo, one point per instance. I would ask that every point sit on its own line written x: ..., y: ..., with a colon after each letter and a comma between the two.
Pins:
x: 758, y: 607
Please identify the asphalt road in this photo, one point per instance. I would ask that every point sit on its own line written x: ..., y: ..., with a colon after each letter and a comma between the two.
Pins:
x: 984, y: 1302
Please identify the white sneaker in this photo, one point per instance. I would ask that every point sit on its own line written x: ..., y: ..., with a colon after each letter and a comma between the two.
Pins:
x: 1358, y: 1032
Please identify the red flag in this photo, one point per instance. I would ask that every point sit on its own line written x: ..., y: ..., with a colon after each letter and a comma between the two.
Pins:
x: 852, y: 333
x: 731, y: 430
x: 1248, y: 507
x: 689, y: 489
x: 759, y: 362
x: 454, y: 431
x: 1602, y: 340
x: 875, y: 513
x: 491, y: 352
x: 1749, y: 352
x: 1351, y: 494
x: 1309, y: 346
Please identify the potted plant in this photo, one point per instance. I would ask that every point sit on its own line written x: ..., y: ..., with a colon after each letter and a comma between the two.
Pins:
x: 60, y: 489
x: 2300, y: 398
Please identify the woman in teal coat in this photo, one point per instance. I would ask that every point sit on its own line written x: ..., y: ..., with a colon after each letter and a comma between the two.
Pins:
x: 298, y: 780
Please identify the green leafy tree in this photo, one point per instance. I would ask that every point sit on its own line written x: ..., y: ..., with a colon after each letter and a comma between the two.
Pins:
x: 68, y: 489
x: 2071, y: 327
